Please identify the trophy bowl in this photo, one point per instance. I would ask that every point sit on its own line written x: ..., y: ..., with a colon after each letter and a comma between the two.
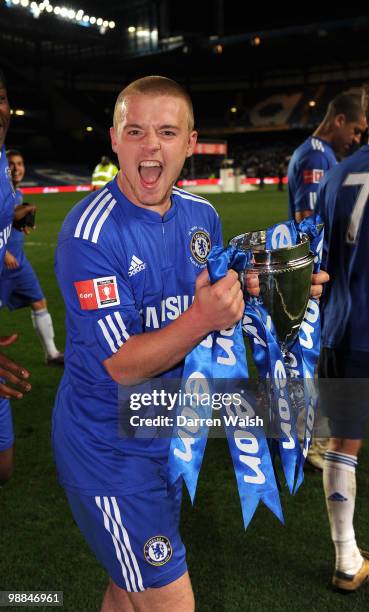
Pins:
x: 284, y: 280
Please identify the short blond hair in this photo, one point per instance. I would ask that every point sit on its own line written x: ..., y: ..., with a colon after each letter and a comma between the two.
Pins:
x: 153, y: 85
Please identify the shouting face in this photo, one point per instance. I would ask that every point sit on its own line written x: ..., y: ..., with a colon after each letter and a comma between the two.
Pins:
x: 152, y: 142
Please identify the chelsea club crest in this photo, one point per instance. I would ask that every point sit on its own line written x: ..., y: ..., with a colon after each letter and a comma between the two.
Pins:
x: 200, y: 246
x: 158, y: 550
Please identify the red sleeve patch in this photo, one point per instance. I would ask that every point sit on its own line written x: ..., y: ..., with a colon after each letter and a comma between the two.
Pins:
x: 313, y: 176
x: 97, y: 292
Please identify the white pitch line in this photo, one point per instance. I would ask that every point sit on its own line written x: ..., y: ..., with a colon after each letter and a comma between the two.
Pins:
x: 44, y: 244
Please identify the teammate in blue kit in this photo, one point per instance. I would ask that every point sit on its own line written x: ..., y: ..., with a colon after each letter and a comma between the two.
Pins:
x: 10, y: 372
x: 19, y: 285
x: 131, y: 262
x: 343, y: 204
x: 340, y: 129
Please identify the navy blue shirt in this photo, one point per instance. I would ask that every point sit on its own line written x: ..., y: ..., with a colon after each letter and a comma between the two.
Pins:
x: 307, y: 166
x: 343, y: 204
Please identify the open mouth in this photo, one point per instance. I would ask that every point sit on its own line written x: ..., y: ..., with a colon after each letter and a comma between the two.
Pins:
x: 150, y: 172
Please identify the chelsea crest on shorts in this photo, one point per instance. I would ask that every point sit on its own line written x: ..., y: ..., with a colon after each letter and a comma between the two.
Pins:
x: 158, y: 550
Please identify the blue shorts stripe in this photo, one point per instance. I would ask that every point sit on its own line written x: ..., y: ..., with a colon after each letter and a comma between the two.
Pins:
x: 135, y: 537
x: 127, y: 543
x: 115, y: 539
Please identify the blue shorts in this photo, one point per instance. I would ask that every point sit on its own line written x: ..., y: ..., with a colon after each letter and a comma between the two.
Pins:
x: 135, y: 537
x: 20, y: 287
x: 344, y: 391
x: 6, y: 425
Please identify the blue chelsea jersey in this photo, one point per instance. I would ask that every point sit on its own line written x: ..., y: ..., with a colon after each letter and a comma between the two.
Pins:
x: 122, y: 270
x: 343, y: 203
x: 307, y: 166
x: 7, y: 203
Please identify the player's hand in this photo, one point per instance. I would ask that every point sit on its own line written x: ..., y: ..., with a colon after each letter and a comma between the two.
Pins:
x: 317, y: 282
x: 218, y: 306
x: 10, y: 262
x: 8, y: 340
x: 22, y: 210
x: 12, y: 372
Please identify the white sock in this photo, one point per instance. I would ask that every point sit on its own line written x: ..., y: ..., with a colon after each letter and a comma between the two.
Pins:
x: 43, y: 325
x: 339, y: 482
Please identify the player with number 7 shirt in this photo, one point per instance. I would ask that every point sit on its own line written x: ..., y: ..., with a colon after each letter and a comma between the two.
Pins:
x: 343, y: 204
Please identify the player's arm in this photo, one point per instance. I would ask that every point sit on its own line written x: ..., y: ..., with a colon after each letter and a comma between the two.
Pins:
x: 311, y: 171
x: 215, y: 307
x: 113, y: 331
x: 10, y: 262
x: 24, y: 218
x: 11, y: 372
x: 322, y: 209
x: 22, y: 210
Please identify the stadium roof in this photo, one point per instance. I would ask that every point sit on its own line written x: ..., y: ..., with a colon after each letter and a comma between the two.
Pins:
x: 156, y: 27
x: 66, y: 72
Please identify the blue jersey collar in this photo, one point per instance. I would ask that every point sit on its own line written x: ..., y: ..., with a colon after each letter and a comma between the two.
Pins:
x: 141, y: 213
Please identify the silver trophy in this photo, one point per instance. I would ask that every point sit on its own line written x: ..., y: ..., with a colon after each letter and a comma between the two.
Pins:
x: 284, y: 279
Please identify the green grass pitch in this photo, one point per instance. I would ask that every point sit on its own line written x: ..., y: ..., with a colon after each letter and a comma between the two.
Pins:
x: 268, y: 568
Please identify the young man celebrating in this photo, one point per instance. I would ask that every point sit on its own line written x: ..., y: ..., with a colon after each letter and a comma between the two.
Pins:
x: 19, y: 285
x: 138, y: 299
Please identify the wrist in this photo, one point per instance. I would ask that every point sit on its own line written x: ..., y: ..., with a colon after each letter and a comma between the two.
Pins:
x: 197, y: 328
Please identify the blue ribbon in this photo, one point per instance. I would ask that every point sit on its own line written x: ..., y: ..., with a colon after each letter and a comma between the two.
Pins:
x: 281, y: 235
x: 270, y: 364
x: 226, y: 358
x: 187, y: 446
x: 222, y: 355
x: 301, y: 359
x: 306, y: 349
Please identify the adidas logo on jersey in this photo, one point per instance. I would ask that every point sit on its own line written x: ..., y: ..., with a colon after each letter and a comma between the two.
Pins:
x: 136, y: 266
x: 317, y: 145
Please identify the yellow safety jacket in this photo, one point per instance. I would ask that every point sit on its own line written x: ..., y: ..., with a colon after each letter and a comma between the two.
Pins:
x: 103, y: 174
